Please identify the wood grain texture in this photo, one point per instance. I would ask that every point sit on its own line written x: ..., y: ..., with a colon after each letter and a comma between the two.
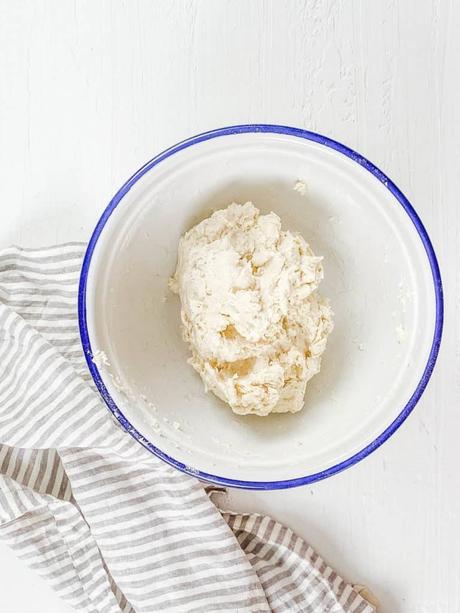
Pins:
x: 89, y: 90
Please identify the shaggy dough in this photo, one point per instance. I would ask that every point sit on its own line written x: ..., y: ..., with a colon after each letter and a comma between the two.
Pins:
x: 251, y: 315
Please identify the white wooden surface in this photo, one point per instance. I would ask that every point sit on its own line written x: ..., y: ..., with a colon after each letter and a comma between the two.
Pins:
x: 89, y: 90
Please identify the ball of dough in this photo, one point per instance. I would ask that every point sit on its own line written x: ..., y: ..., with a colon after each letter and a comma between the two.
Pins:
x: 255, y: 324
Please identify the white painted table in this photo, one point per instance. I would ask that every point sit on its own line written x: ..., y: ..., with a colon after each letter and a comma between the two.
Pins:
x: 91, y: 90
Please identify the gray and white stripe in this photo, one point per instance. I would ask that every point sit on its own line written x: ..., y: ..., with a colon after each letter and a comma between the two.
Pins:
x: 110, y: 526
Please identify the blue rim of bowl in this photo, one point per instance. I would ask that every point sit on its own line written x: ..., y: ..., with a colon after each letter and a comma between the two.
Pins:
x: 398, y: 195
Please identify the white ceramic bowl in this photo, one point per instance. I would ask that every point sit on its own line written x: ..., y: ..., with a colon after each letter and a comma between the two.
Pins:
x: 381, y: 276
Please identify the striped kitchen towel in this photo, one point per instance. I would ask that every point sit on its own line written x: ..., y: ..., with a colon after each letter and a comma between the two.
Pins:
x: 111, y: 527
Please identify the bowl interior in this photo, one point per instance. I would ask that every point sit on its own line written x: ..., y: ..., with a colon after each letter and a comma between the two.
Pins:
x: 377, y: 277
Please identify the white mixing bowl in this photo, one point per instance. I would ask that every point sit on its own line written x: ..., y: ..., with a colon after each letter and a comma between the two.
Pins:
x: 381, y: 276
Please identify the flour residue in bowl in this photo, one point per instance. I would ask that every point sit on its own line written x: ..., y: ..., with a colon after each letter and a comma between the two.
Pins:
x: 100, y: 358
x: 251, y: 313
